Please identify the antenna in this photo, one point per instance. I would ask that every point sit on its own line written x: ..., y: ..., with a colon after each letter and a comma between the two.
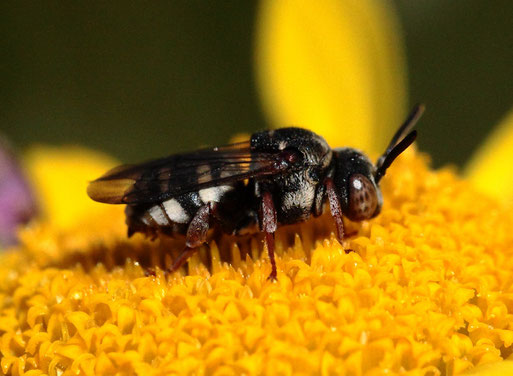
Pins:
x: 401, y: 140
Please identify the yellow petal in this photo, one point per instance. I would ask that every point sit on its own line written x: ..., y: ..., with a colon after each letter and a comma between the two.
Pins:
x: 333, y: 66
x: 60, y: 176
x: 491, y: 169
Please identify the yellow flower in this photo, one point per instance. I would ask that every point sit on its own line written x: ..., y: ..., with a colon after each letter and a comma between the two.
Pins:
x: 427, y: 290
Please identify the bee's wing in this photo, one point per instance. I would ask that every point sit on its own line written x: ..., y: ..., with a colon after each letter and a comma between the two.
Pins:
x: 160, y: 179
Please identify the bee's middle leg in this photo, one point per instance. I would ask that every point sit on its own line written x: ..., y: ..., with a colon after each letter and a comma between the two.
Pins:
x: 195, y: 237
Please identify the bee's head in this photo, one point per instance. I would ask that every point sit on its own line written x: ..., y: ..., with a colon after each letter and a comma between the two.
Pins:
x: 355, y: 184
x: 357, y: 179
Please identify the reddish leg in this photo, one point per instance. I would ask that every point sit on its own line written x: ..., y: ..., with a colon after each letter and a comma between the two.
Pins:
x: 336, y: 210
x: 181, y: 259
x: 268, y: 224
x: 196, y: 236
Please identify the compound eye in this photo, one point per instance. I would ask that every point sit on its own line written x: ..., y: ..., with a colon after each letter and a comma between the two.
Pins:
x: 363, y: 198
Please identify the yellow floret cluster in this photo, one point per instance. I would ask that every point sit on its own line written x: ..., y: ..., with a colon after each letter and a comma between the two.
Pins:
x: 426, y: 288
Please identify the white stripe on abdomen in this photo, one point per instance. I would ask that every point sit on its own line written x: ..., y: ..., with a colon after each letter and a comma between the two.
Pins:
x: 175, y: 211
x: 214, y: 194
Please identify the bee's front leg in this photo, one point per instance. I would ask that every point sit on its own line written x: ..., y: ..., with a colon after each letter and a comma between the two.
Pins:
x: 336, y: 210
x: 268, y: 225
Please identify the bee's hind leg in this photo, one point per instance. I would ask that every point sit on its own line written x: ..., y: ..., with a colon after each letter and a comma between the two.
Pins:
x: 268, y: 225
x: 195, y: 237
x: 181, y: 259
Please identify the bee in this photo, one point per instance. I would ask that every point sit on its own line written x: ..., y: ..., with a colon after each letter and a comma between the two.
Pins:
x: 278, y: 177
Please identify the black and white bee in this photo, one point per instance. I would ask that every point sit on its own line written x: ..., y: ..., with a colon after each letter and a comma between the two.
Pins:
x: 278, y: 177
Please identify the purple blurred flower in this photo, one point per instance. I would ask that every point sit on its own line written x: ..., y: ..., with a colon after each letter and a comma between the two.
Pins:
x: 17, y: 204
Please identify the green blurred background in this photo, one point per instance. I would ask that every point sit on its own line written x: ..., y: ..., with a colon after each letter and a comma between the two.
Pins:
x: 140, y: 81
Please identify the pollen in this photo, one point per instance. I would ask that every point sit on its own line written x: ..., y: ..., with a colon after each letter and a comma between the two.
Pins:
x: 425, y: 288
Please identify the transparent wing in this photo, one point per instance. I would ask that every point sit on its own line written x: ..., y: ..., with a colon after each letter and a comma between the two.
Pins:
x: 160, y: 179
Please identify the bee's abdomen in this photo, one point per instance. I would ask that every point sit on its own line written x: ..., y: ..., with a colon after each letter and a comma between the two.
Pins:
x: 172, y: 215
